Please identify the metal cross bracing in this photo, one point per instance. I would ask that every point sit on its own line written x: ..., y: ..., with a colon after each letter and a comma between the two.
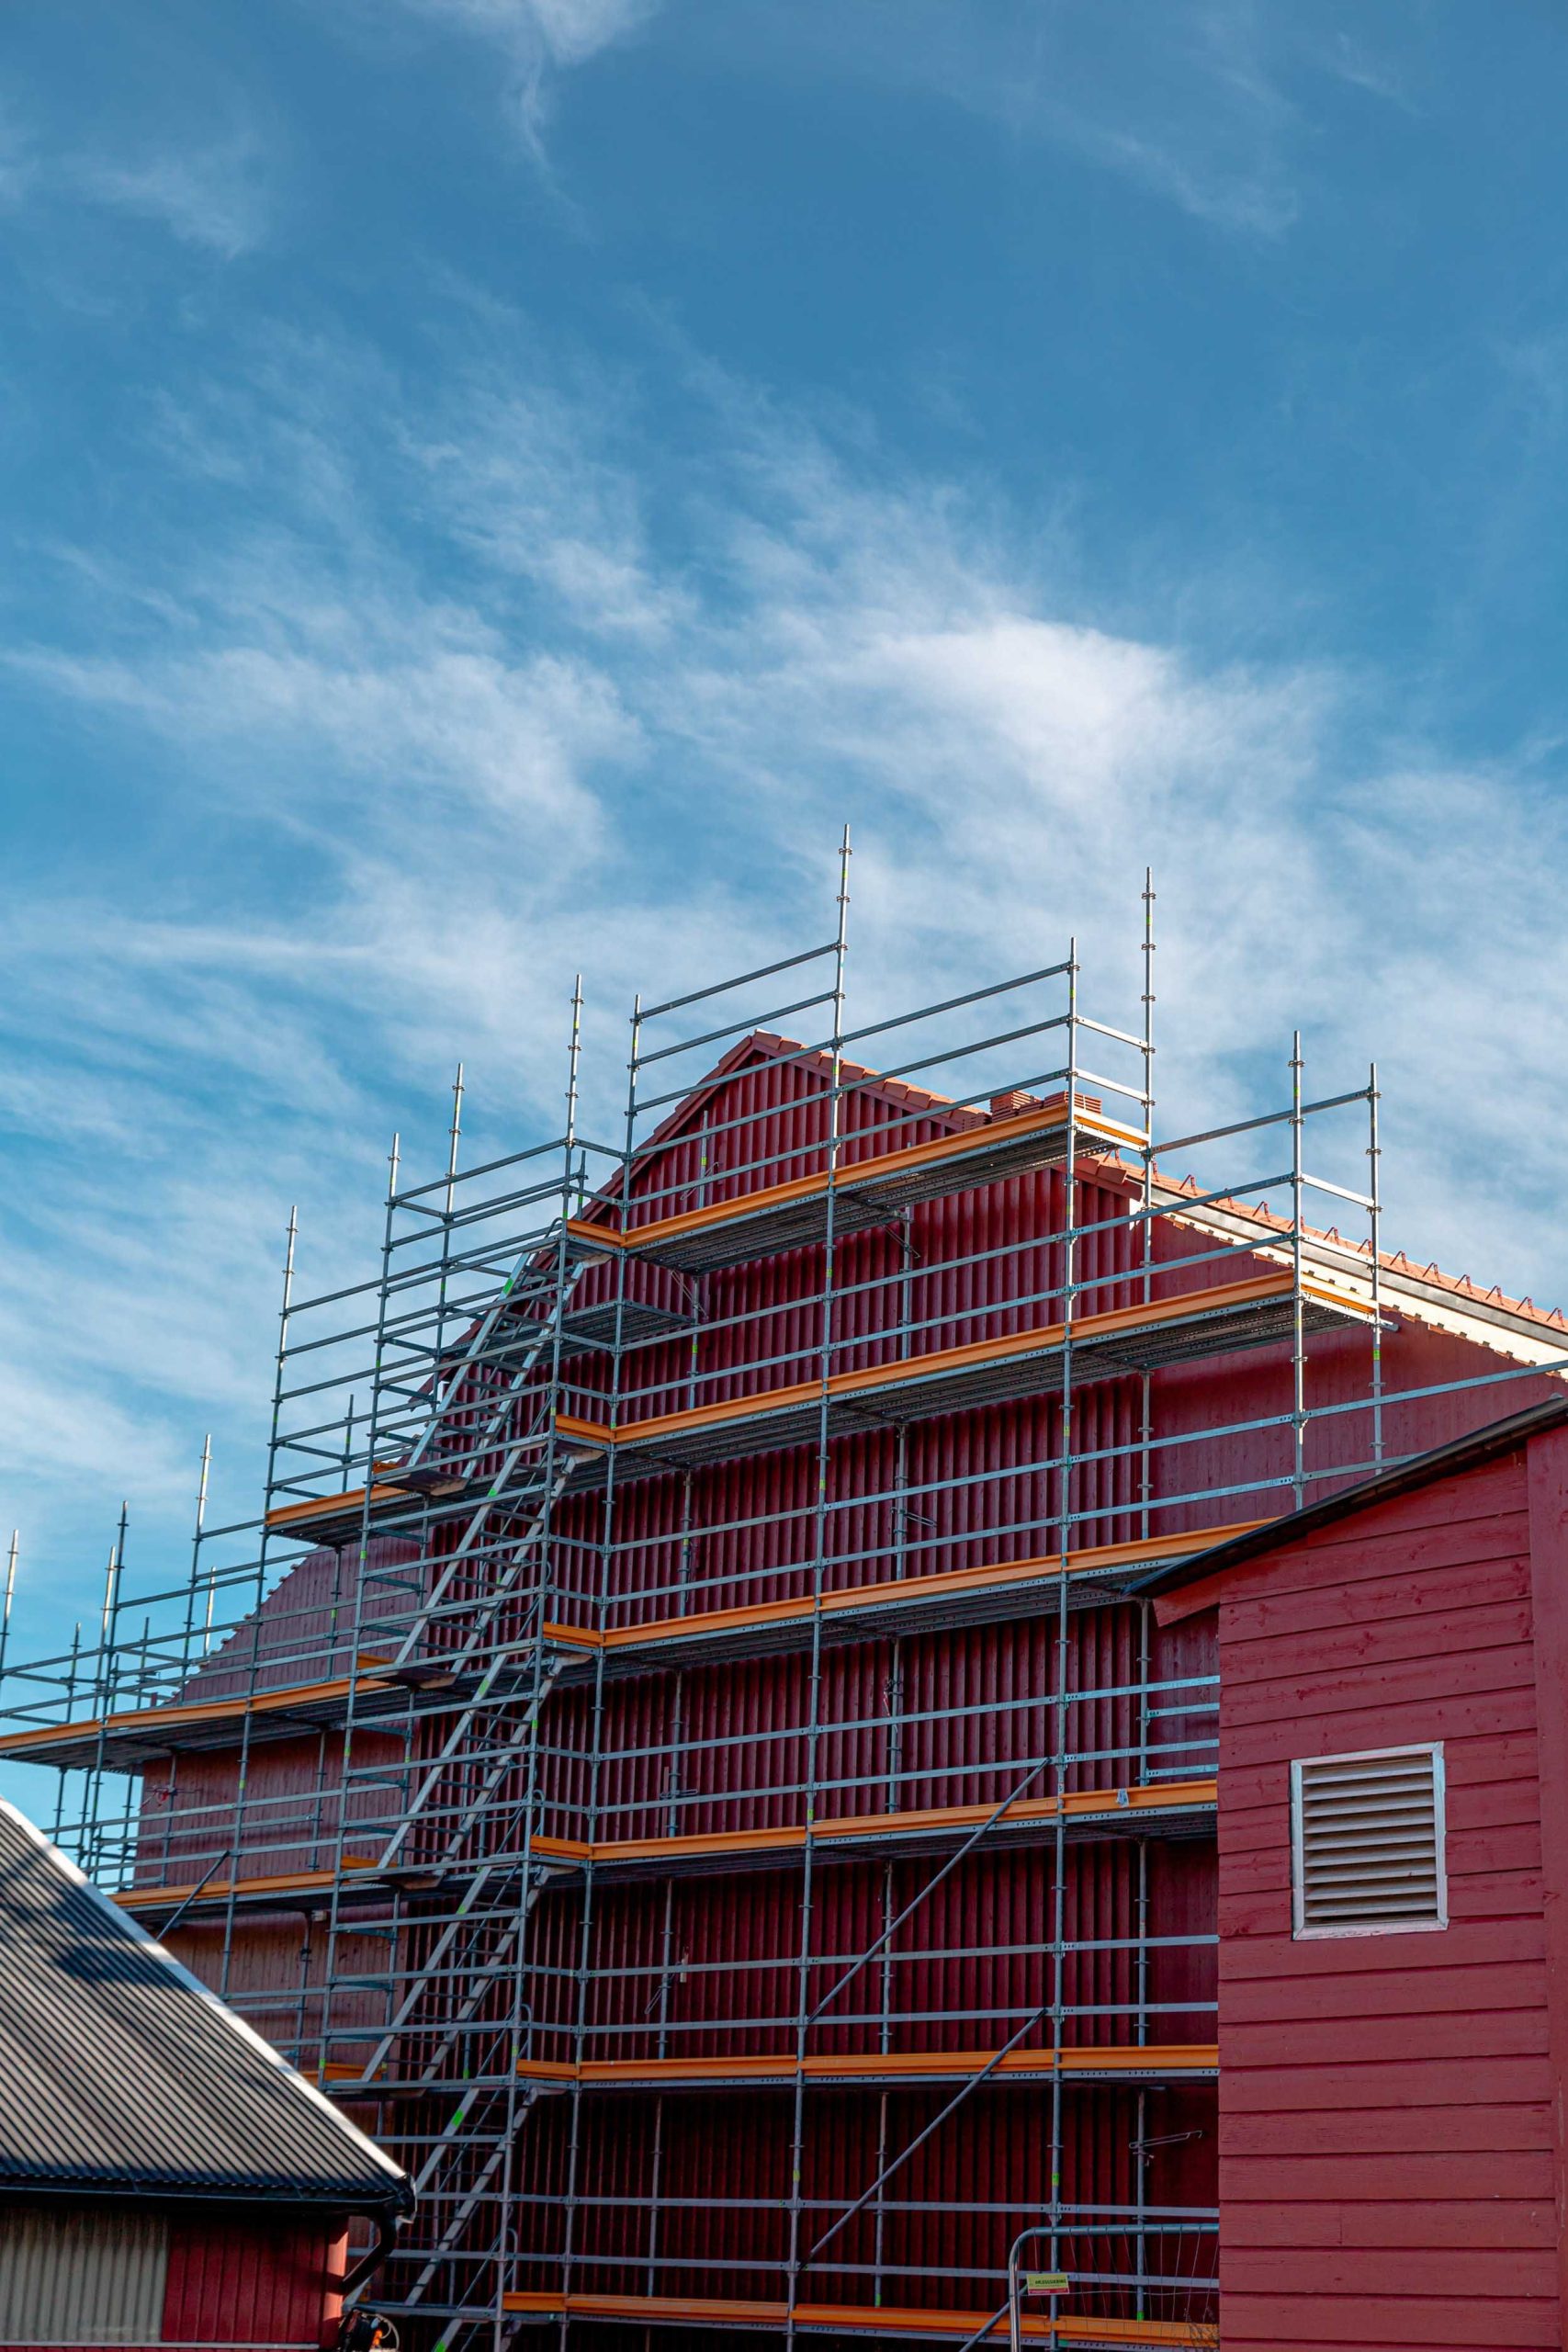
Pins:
x: 693, y: 1648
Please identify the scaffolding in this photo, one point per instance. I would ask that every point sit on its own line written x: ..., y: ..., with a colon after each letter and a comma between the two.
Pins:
x: 734, y: 1532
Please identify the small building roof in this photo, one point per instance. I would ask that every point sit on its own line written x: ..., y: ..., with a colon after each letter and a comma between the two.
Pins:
x: 119, y: 2072
x: 1403, y: 1478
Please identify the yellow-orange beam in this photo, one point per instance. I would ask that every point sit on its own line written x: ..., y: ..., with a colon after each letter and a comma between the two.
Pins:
x: 149, y: 1898
x: 1077, y: 1803
x: 881, y: 2319
x: 1164, y: 2058
x: 947, y: 1584
x: 158, y: 1898
x: 338, y: 1505
x: 843, y: 1829
x: 856, y: 1175
x: 1040, y: 1339
x: 846, y: 1829
x: 213, y: 1710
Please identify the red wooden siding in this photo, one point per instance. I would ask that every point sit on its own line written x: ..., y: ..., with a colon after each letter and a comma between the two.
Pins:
x: 254, y: 2280
x: 1388, y: 2167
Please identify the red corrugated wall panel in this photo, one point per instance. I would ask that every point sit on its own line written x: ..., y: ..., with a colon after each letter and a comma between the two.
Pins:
x: 252, y: 2280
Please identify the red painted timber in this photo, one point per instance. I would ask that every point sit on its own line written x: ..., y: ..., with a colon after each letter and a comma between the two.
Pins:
x: 1333, y: 1560
x: 1353, y: 1600
x: 1353, y: 2185
x: 1495, y: 2275
x: 1515, y: 2031
x: 1495, y: 2222
x: 1468, y: 1716
x: 1546, y: 1489
x: 1367, y: 2323
x: 1375, y: 1993
x: 253, y: 2280
x: 1394, y: 2131
x: 1390, y: 2104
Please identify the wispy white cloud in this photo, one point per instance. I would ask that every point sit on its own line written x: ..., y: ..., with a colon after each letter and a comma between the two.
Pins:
x: 444, y: 736
x: 216, y: 198
x: 538, y: 41
x: 566, y: 31
x: 514, y: 483
x: 1350, y: 58
x: 1191, y: 101
x: 412, y: 818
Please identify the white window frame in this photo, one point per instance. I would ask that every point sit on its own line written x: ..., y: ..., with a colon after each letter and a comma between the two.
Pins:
x: 1300, y: 1932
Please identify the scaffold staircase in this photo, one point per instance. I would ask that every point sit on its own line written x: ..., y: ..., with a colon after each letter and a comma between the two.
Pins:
x: 478, y: 1650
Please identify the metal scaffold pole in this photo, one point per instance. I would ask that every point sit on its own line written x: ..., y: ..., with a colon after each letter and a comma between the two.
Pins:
x: 686, y: 1754
x: 820, y: 1545
x: 1063, y: 1677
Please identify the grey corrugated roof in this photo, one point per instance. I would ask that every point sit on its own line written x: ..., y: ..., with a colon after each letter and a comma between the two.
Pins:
x: 120, y: 2070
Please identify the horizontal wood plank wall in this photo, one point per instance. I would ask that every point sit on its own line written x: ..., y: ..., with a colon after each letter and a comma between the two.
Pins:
x: 1547, y: 1490
x: 1387, y: 2145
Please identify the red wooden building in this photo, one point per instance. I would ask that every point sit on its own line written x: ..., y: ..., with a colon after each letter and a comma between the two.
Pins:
x: 1393, y: 1904
x: 696, y: 1769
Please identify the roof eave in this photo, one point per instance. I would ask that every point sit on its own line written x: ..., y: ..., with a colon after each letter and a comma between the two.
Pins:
x: 1490, y: 1322
x: 1470, y: 1453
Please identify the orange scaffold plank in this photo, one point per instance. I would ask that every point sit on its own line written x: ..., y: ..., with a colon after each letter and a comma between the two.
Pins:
x: 1217, y: 1320
x: 283, y: 1886
x: 162, y: 1729
x: 1109, y: 1807
x: 943, y: 1369
x: 947, y: 1585
x: 851, y: 2319
x: 1161, y: 2059
x: 346, y: 1506
x: 133, y: 1736
x: 846, y: 1831
x: 192, y: 1714
x: 916, y: 1170
x: 217, y: 1890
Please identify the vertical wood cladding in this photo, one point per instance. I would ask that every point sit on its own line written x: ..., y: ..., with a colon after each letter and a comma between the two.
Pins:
x: 254, y: 2280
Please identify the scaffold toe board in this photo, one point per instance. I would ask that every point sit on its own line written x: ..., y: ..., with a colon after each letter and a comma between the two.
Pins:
x: 1149, y: 2062
x: 360, y: 1879
x: 402, y: 1503
x: 921, y: 1601
x: 1178, y: 1810
x: 864, y: 1192
x: 1220, y: 1320
x: 1085, y: 2333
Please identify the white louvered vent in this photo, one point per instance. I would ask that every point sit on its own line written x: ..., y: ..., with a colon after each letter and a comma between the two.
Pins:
x: 1367, y: 1834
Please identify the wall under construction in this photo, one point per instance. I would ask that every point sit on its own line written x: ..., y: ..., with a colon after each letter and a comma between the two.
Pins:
x: 687, y: 1761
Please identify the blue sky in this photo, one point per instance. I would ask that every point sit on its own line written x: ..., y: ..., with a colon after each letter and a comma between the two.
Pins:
x: 491, y: 485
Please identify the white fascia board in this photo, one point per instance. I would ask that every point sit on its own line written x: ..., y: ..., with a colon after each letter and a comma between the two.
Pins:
x: 1517, y: 1336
